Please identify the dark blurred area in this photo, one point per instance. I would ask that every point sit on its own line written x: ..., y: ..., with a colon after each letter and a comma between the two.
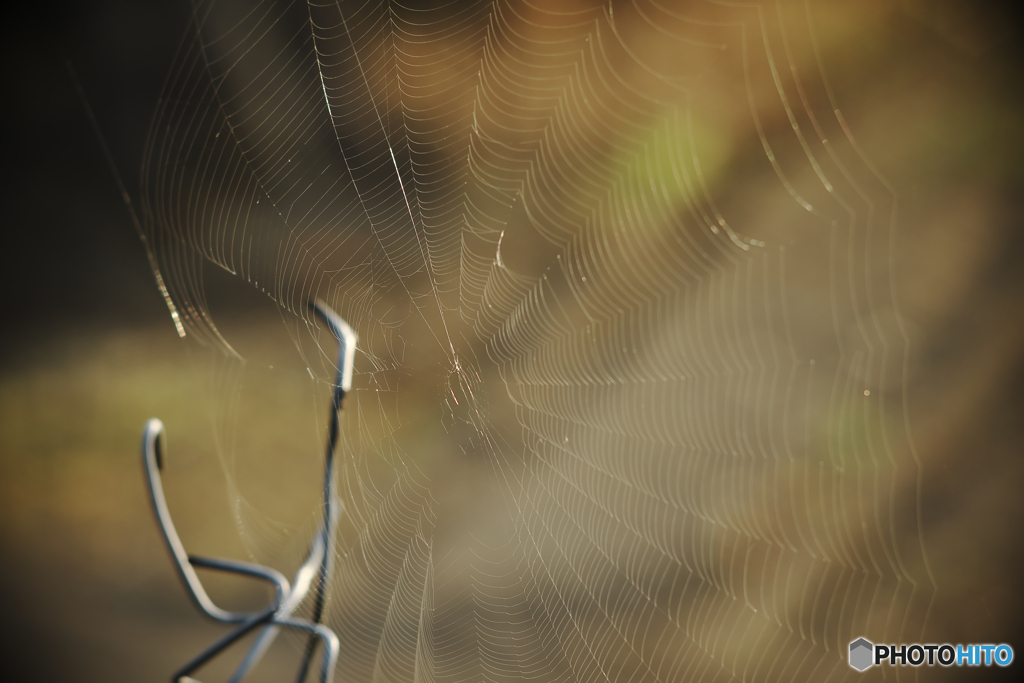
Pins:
x: 89, y: 350
x: 74, y: 258
x: 75, y: 273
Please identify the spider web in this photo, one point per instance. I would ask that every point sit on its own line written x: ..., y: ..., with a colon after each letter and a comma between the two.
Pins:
x: 628, y: 402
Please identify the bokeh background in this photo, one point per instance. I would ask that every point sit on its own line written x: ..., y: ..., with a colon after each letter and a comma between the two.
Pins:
x: 89, y: 353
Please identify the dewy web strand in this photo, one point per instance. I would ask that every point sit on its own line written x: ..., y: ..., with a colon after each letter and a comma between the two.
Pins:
x: 629, y: 401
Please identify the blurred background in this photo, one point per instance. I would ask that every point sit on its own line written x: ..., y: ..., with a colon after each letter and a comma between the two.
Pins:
x: 931, y: 88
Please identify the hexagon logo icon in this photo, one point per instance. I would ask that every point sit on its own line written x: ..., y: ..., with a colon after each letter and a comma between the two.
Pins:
x: 861, y: 651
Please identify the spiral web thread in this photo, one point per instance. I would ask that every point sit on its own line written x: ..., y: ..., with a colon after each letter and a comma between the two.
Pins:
x: 635, y: 261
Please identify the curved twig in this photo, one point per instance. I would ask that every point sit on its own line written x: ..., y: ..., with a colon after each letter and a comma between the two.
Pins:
x: 319, y: 563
